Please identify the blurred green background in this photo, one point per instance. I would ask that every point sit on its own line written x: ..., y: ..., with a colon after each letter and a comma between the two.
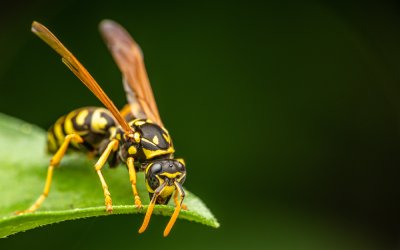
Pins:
x: 287, y: 115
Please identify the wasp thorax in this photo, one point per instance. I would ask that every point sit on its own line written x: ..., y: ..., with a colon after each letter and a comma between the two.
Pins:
x: 152, y: 140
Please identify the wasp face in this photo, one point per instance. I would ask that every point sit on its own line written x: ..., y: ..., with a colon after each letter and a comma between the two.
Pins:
x: 165, y: 175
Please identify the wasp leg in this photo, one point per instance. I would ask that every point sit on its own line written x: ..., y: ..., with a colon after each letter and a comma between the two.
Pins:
x: 54, y: 162
x: 176, y: 201
x: 132, y: 178
x: 112, y: 146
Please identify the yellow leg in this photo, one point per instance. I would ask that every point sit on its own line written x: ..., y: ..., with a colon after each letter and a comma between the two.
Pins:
x: 177, y: 202
x: 132, y: 178
x: 54, y: 162
x: 112, y: 146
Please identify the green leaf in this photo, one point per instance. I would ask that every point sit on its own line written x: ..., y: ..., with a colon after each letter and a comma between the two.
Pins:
x: 75, y: 192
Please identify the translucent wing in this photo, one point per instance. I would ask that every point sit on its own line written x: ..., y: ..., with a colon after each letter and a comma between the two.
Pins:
x: 129, y: 58
x: 76, y: 67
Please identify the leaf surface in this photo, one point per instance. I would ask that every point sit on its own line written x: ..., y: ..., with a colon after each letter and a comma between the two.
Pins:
x: 75, y: 192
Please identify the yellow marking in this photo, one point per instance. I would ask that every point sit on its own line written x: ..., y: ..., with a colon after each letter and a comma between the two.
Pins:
x: 169, y: 175
x: 148, y: 167
x: 136, y: 136
x: 182, y: 161
x: 81, y: 117
x: 165, y: 130
x: 167, y: 138
x: 52, y: 141
x: 153, y: 153
x: 133, y: 122
x: 113, y: 132
x: 132, y: 150
x: 144, y: 139
x: 149, y: 121
x: 155, y: 140
x: 139, y: 123
x: 68, y: 125
x: 98, y: 123
x: 168, y: 190
x: 58, y: 130
x: 149, y: 188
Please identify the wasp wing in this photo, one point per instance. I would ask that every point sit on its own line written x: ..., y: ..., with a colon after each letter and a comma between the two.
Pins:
x: 77, y: 68
x: 129, y: 58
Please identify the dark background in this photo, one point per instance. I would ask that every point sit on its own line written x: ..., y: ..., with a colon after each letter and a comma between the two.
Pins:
x: 287, y: 115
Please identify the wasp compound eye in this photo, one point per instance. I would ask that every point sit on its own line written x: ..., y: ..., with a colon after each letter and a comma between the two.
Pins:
x: 156, y: 168
x: 180, y: 166
x: 153, y: 182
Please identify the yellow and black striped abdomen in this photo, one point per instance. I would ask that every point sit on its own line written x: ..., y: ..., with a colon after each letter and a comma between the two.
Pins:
x: 91, y: 123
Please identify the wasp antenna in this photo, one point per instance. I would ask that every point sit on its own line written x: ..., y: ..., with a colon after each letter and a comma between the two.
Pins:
x: 151, y: 207
x: 147, y: 217
x: 176, y: 211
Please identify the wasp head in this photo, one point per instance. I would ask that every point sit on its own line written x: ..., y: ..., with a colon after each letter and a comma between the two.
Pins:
x: 163, y: 177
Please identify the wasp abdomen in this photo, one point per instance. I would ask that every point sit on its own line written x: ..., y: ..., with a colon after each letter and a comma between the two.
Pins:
x: 91, y: 123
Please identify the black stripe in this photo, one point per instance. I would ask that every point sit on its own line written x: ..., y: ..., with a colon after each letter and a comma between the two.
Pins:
x: 51, y: 131
x: 63, y: 126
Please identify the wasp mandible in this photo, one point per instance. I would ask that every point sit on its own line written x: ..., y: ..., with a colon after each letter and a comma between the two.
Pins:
x: 134, y: 136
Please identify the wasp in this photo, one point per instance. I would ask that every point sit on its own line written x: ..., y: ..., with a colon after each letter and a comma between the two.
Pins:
x: 134, y: 136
